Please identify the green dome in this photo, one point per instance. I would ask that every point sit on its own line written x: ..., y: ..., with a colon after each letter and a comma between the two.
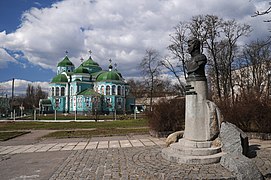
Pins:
x: 118, y: 73
x: 81, y: 69
x: 109, y: 76
x: 60, y: 78
x: 89, y: 63
x: 65, y: 62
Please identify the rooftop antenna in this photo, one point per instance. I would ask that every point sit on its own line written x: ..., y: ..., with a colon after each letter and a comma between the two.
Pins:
x: 110, y: 65
x: 115, y: 66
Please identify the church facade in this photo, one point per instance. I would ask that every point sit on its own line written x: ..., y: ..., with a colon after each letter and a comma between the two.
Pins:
x: 87, y: 89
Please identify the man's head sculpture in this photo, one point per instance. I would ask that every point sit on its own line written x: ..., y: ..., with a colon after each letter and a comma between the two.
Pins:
x: 196, y: 65
x: 193, y: 45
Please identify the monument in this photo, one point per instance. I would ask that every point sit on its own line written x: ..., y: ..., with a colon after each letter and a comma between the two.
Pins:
x: 202, y: 117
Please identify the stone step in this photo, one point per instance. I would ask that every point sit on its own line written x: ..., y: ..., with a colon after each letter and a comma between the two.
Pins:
x: 195, y: 144
x: 170, y: 155
x: 180, y: 149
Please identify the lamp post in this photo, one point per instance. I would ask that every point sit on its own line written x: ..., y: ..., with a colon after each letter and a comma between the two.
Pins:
x: 268, y: 83
x: 75, y: 112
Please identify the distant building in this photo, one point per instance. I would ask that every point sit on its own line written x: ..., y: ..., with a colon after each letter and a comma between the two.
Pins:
x: 87, y: 89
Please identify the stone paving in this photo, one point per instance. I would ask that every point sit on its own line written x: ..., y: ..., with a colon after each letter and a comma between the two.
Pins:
x: 132, y: 163
x: 131, y: 158
x: 81, y: 145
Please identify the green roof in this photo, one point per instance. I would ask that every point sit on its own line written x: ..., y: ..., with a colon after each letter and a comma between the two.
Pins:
x: 89, y: 92
x: 96, y: 74
x: 81, y: 69
x: 89, y: 63
x: 60, y: 78
x: 118, y: 72
x: 65, y: 62
x: 109, y: 76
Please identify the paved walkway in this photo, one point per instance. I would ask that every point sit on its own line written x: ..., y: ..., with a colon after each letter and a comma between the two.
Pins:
x: 83, y: 145
x: 123, y: 157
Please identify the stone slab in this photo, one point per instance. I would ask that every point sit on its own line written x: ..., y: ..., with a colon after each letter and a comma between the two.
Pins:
x: 10, y: 149
x: 114, y: 144
x: 58, y: 147
x: 91, y: 145
x: 125, y: 143
x: 22, y: 149
x: 136, y: 143
x: 68, y: 148
x: 147, y: 142
x: 46, y: 147
x: 102, y: 144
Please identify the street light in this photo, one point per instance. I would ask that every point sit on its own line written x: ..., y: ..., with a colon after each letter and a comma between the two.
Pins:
x: 268, y: 83
x: 75, y: 112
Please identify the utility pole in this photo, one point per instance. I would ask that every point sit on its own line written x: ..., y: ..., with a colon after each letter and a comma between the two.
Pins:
x: 12, y: 98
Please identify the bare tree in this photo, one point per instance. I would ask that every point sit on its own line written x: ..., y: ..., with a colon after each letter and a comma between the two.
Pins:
x: 137, y: 88
x: 209, y: 31
x: 150, y: 67
x: 178, y: 48
x: 253, y: 72
x: 33, y: 95
x: 263, y: 12
x: 4, y: 101
x: 232, y: 31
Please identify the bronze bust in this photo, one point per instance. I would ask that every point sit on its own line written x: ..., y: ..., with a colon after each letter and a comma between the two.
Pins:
x: 196, y: 65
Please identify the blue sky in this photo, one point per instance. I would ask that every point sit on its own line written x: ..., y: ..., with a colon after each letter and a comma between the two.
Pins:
x: 34, y: 34
x: 11, y: 11
x: 10, y: 19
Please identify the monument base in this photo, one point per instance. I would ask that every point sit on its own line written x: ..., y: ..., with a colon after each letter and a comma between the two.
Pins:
x: 192, y: 152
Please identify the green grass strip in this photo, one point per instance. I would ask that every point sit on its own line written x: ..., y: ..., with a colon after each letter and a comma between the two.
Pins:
x: 95, y: 132
x: 17, y: 125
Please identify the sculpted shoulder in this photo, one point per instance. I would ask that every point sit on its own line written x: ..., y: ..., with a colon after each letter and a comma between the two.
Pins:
x: 200, y: 57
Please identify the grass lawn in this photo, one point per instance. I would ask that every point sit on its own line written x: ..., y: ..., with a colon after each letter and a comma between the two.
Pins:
x: 17, y: 125
x: 4, y: 136
x: 80, y: 129
x: 96, y: 132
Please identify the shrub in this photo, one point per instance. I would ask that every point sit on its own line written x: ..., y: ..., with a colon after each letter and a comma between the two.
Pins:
x: 249, y: 114
x: 167, y: 115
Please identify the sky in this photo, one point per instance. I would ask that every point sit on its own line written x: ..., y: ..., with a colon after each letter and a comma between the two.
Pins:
x: 35, y: 34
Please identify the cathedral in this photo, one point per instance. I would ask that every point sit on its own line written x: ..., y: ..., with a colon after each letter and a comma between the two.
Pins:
x: 87, y: 89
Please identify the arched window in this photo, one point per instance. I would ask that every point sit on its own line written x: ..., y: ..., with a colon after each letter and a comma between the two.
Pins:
x: 107, y: 90
x: 53, y: 91
x: 62, y: 93
x: 113, y: 90
x: 102, y: 89
x: 119, y: 90
x: 57, y: 91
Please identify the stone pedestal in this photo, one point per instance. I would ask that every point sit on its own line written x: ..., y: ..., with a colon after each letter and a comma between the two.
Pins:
x: 192, y: 152
x: 195, y: 110
x: 201, y: 127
